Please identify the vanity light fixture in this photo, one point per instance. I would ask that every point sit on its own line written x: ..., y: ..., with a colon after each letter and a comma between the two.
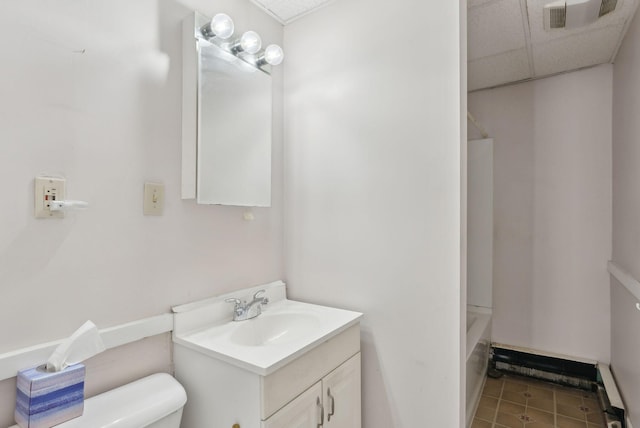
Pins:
x: 250, y: 42
x: 247, y: 47
x: 273, y: 55
x: 220, y: 26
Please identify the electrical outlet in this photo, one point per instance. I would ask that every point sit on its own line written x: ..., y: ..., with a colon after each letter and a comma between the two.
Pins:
x: 48, y: 189
x: 153, y: 199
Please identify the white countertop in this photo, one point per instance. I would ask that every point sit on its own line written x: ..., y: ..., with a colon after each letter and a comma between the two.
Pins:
x: 284, y: 331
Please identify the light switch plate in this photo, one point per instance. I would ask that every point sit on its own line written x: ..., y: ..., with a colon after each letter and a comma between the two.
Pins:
x: 153, y: 198
x: 48, y: 189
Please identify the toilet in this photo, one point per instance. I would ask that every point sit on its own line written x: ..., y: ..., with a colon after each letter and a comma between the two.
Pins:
x: 155, y: 401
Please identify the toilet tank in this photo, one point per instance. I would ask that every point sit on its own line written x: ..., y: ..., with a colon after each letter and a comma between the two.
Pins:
x: 155, y: 401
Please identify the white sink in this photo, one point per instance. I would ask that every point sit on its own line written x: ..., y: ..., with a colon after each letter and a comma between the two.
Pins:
x: 285, y: 330
x: 274, y: 329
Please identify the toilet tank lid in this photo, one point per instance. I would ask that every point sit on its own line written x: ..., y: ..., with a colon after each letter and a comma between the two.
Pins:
x: 134, y: 405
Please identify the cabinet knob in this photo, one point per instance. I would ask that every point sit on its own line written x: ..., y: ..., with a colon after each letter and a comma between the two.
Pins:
x: 236, y: 426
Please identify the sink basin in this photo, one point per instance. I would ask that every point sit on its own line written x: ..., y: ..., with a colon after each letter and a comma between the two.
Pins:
x: 274, y: 329
x: 285, y: 330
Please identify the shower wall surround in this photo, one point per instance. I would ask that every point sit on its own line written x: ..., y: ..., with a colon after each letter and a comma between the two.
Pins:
x: 625, y: 321
x: 92, y: 91
x: 552, y: 210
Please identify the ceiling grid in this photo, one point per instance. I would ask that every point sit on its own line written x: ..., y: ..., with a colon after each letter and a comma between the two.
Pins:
x: 507, y: 41
x: 287, y: 11
x: 548, y: 52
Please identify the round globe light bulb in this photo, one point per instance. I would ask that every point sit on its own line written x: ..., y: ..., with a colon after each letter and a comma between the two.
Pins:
x: 250, y: 42
x: 222, y: 26
x: 273, y: 54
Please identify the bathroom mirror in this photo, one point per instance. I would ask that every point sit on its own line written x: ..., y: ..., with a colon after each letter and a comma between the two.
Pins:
x: 226, y: 153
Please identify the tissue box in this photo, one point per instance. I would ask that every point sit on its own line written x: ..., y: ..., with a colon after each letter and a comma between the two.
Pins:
x: 47, y: 399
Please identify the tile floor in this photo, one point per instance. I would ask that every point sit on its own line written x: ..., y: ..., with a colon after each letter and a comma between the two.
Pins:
x: 519, y: 402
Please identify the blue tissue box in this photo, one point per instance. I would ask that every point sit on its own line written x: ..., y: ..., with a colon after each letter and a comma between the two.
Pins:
x: 46, y: 399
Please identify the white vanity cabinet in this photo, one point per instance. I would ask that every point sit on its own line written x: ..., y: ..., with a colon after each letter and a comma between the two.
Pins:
x: 303, y: 412
x: 318, y: 389
x: 334, y: 402
x: 341, y: 394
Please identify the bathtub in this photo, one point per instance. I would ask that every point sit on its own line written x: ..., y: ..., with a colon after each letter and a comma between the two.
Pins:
x: 478, y: 345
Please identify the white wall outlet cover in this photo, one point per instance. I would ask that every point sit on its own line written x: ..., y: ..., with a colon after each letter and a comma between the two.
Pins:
x: 48, y: 189
x: 153, y: 198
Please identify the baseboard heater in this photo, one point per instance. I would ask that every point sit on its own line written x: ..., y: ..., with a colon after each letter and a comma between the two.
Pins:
x: 578, y: 374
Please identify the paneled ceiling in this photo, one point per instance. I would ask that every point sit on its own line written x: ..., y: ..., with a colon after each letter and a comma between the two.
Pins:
x: 286, y: 11
x: 507, y: 41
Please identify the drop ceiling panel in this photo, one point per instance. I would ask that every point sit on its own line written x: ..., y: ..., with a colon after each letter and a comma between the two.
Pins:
x: 497, y: 54
x: 495, y: 27
x: 580, y: 50
x: 495, y: 70
x: 288, y: 10
x: 507, y: 41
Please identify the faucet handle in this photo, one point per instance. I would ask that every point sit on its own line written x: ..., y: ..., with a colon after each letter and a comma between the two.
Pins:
x: 259, y: 294
x: 237, y: 302
x: 239, y: 306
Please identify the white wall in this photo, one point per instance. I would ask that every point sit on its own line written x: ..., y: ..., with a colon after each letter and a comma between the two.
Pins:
x: 625, y: 342
x: 92, y: 90
x: 552, y: 210
x: 373, y: 193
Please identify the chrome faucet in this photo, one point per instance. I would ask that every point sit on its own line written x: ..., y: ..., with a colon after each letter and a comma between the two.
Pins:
x: 245, y: 311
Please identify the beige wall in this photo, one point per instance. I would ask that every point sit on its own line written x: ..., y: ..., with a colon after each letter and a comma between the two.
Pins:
x: 552, y: 210
x: 373, y: 193
x: 92, y: 90
x: 625, y: 323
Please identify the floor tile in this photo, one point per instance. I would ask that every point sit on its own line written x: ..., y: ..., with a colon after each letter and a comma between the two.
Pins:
x: 493, y: 388
x: 543, y: 393
x: 568, y: 390
x: 568, y: 399
x: 540, y: 404
x: 485, y: 414
x: 515, y: 397
x: 540, y: 416
x: 488, y: 402
x: 510, y: 421
x: 564, y: 422
x: 477, y: 423
x: 572, y: 411
x: 591, y: 404
x: 519, y: 402
x: 596, y: 417
x: 515, y: 385
x: 510, y: 408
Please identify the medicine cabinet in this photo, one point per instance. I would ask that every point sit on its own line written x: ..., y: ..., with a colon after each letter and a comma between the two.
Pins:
x: 226, y: 124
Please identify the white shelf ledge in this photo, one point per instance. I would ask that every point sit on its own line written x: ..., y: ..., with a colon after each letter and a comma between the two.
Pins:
x: 629, y: 282
x: 11, y: 362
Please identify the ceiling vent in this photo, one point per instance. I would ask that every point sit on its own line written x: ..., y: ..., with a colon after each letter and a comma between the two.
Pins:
x: 575, y: 13
x: 607, y: 6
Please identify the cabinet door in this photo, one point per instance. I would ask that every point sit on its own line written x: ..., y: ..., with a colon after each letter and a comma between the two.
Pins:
x: 341, y: 395
x: 305, y: 411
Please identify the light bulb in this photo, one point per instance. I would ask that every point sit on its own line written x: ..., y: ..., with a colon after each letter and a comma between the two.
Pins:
x: 250, y: 42
x: 221, y: 26
x: 273, y: 55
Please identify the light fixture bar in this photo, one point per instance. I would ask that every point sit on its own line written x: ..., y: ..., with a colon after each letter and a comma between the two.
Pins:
x: 247, y: 47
